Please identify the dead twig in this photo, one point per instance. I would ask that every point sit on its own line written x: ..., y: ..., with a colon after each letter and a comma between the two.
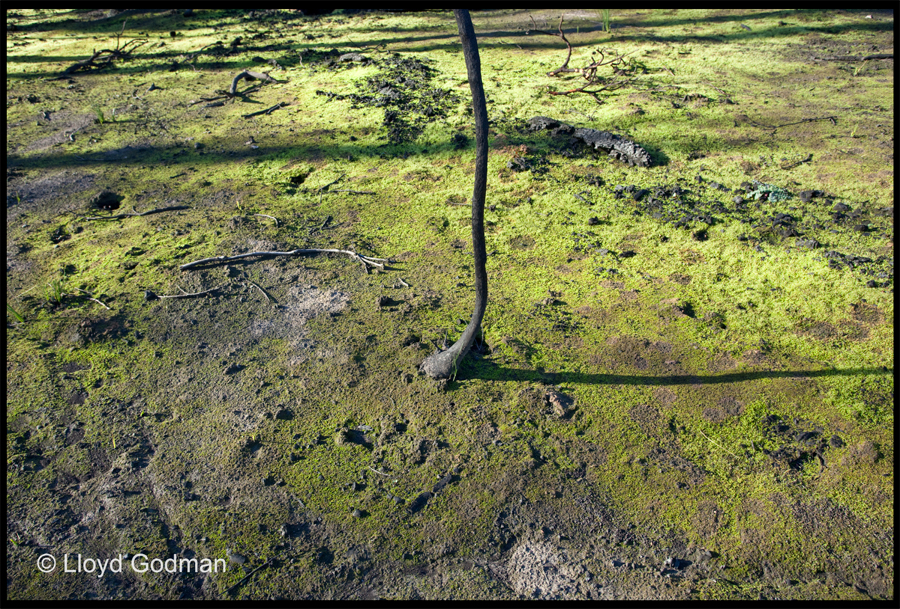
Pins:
x: 366, y: 261
x: 353, y: 192
x: 208, y: 99
x: 589, y: 72
x: 716, y: 443
x: 107, y: 56
x: 272, y: 217
x: 565, y: 66
x: 578, y: 196
x: 797, y: 163
x: 247, y: 577
x: 805, y: 120
x: 194, y: 295
x: 91, y: 297
x: 267, y: 110
x: 136, y: 214
x: 269, y: 298
x: 322, y: 189
x: 857, y: 58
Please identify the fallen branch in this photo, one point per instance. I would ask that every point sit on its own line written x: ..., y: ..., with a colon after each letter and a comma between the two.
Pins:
x: 91, y: 297
x: 366, y: 261
x: 265, y: 216
x: 353, y: 192
x: 267, y: 110
x: 717, y: 444
x: 107, y: 55
x: 136, y: 214
x: 833, y: 120
x: 578, y: 196
x: 269, y: 298
x: 207, y: 99
x: 797, y: 163
x: 247, y: 577
x: 248, y: 75
x: 565, y: 66
x: 589, y: 72
x: 194, y: 295
x: 857, y: 58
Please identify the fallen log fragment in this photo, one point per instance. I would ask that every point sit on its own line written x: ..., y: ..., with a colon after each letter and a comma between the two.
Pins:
x: 618, y: 147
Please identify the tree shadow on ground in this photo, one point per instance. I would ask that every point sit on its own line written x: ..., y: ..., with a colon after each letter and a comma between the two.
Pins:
x: 489, y: 371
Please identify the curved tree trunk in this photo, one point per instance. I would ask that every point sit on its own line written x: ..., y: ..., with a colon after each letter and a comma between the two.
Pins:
x: 443, y: 364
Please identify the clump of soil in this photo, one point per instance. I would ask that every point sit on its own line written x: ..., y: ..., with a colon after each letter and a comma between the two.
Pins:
x: 403, y: 88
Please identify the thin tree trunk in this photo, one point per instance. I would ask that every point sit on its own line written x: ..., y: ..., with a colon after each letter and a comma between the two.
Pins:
x: 443, y: 364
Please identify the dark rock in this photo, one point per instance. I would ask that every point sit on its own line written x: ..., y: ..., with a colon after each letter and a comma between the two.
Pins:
x: 356, y: 513
x: 861, y: 228
x: 593, y: 221
x: 836, y: 442
x: 148, y: 296
x: 807, y: 243
x: 806, y: 437
x: 841, y: 207
x: 700, y: 235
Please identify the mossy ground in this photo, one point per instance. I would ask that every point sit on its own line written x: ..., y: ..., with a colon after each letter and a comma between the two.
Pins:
x: 733, y: 398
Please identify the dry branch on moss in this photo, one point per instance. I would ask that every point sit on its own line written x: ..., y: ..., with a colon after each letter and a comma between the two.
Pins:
x: 589, y: 72
x: 231, y: 93
x: 267, y: 216
x: 248, y: 75
x: 104, y: 57
x: 267, y: 110
x: 366, y: 261
x: 191, y: 295
x: 136, y: 214
x: 91, y: 297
